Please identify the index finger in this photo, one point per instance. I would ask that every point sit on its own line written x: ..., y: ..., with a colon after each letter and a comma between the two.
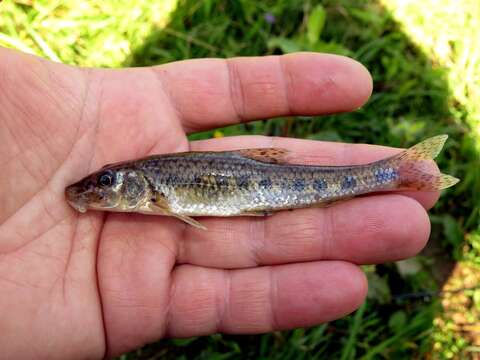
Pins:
x: 209, y: 93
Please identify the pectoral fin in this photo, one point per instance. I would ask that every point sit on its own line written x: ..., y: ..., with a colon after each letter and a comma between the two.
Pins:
x: 190, y: 221
x: 159, y: 205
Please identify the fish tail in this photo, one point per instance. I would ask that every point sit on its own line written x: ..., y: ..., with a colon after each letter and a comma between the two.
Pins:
x: 416, y: 170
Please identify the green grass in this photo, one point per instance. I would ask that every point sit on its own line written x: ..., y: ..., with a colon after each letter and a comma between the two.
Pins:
x: 425, y: 64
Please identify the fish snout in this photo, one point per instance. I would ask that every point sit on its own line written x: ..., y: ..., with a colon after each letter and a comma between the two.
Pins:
x: 76, y: 197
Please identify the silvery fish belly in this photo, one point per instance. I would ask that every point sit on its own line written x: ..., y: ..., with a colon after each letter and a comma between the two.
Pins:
x: 247, y: 182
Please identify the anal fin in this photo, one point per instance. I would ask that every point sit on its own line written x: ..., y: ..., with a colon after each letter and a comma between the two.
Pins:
x: 257, y: 213
x: 331, y: 202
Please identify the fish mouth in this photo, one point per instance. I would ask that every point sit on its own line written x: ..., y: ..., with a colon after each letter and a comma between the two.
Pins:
x: 76, y: 199
x: 79, y: 207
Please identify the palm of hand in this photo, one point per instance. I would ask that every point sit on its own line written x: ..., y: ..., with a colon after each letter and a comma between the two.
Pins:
x: 86, y: 285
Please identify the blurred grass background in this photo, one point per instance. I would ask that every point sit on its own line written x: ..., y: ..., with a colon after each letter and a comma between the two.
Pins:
x: 425, y: 60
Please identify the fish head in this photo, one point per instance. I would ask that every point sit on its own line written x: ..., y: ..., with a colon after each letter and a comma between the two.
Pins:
x: 111, y: 189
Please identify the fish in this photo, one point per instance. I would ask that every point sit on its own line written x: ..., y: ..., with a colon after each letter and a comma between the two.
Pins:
x: 248, y: 182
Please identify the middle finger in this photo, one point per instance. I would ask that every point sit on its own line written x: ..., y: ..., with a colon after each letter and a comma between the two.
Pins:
x: 363, y: 231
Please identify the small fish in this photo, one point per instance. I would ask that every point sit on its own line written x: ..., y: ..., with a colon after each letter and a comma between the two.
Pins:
x: 247, y: 182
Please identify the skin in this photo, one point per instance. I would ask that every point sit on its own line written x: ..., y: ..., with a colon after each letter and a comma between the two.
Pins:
x: 96, y: 284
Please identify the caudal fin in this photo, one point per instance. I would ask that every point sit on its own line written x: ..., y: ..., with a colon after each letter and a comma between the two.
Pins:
x: 416, y: 172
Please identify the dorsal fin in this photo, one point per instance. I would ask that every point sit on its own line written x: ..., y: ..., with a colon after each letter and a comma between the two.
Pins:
x: 425, y: 150
x: 267, y: 155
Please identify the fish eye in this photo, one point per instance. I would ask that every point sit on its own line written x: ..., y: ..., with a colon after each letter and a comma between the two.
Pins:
x: 106, y: 179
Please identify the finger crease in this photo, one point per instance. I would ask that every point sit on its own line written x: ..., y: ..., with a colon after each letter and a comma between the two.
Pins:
x: 171, y: 301
x: 287, y: 82
x: 158, y: 74
x: 223, y: 306
x: 237, y: 94
x: 256, y: 240
x: 273, y: 296
x: 329, y: 238
x: 181, y: 239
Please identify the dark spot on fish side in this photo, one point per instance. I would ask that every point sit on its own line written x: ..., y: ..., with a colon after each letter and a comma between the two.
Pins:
x: 221, y: 180
x: 172, y: 180
x: 298, y: 184
x: 197, y: 180
x: 319, y: 185
x: 348, y: 182
x: 242, y: 181
x: 265, y: 183
x: 383, y: 175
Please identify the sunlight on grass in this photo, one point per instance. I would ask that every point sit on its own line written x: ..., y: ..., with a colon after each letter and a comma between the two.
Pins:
x: 449, y: 33
x: 458, y: 328
x: 88, y: 33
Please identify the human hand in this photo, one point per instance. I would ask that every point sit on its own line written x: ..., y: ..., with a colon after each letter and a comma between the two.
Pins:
x: 89, y: 285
